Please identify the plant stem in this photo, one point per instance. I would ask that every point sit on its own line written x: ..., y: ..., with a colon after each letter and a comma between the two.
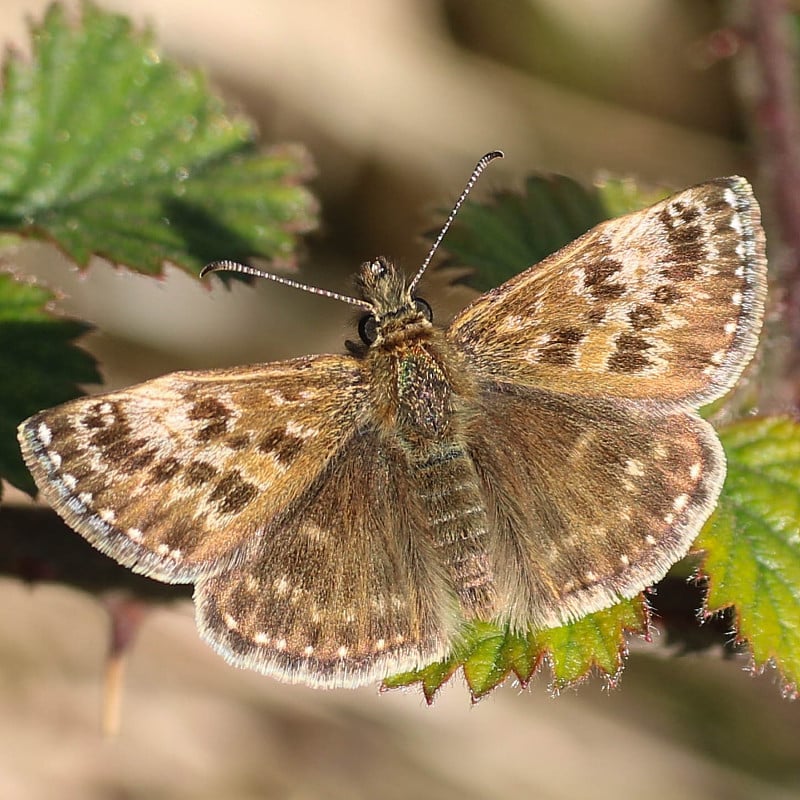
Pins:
x: 774, y: 108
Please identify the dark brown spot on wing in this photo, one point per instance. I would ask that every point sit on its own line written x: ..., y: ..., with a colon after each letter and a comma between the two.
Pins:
x: 561, y: 349
x: 596, y: 315
x: 597, y: 278
x: 687, y: 213
x: 106, y: 437
x: 93, y: 420
x: 212, y: 431
x: 199, y: 472
x: 165, y: 470
x: 290, y: 394
x: 217, y: 414
x: 110, y: 428
x: 113, y: 438
x: 208, y: 408
x: 630, y: 354
x: 667, y: 295
x: 137, y: 461
x: 644, y: 316
x: 289, y: 448
x: 124, y: 450
x: 684, y: 270
x: 284, y: 446
x: 239, y: 441
x: 271, y: 440
x: 60, y: 426
x: 687, y: 241
x: 103, y: 414
x: 232, y: 493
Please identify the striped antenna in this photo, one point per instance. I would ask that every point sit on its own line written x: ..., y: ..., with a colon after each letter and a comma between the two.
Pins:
x: 235, y: 266
x: 479, y: 168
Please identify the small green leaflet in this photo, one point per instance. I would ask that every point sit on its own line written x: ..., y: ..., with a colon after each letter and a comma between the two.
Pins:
x: 488, y: 654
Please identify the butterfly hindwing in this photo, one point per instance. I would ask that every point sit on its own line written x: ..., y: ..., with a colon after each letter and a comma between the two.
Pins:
x: 344, y: 587
x: 177, y: 476
x: 662, y: 305
x: 590, y: 503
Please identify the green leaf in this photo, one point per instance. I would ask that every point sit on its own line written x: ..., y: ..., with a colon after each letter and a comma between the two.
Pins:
x: 514, y: 230
x: 488, y: 654
x: 108, y: 148
x: 752, y: 542
x: 39, y: 366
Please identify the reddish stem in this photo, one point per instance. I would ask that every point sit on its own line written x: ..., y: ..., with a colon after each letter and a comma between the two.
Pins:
x: 775, y: 110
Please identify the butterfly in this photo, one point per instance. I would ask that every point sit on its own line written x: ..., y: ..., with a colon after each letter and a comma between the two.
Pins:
x: 537, y: 460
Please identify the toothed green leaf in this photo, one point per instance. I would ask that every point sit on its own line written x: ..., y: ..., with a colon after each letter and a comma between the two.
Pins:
x: 512, y: 231
x: 108, y: 148
x: 39, y: 366
x: 752, y: 542
x: 488, y: 654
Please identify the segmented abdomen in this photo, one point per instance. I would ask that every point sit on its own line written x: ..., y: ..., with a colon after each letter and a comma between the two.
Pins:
x: 449, y: 494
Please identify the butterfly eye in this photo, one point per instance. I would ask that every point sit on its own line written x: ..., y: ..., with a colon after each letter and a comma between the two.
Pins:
x: 368, y: 329
x: 423, y: 306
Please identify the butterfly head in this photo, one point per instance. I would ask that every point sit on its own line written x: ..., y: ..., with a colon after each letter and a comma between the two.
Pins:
x: 393, y: 306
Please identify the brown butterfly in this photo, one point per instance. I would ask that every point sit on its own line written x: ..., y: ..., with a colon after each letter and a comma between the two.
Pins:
x: 539, y: 459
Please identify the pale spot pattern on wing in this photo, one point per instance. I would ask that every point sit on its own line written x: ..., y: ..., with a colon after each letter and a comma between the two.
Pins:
x: 301, y: 431
x: 634, y: 467
x: 680, y: 502
x: 45, y: 435
x: 230, y: 622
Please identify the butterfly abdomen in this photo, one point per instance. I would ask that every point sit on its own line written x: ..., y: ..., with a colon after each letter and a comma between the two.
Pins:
x: 450, y: 497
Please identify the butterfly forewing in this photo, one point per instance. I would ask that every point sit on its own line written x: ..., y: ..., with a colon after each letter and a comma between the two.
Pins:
x: 177, y: 476
x: 344, y: 587
x: 663, y: 305
x: 590, y: 503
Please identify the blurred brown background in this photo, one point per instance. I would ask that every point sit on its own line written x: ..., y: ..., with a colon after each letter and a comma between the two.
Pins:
x: 396, y: 99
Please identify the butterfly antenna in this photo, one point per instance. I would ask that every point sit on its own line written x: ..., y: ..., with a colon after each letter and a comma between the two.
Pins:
x: 476, y: 173
x: 235, y: 266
